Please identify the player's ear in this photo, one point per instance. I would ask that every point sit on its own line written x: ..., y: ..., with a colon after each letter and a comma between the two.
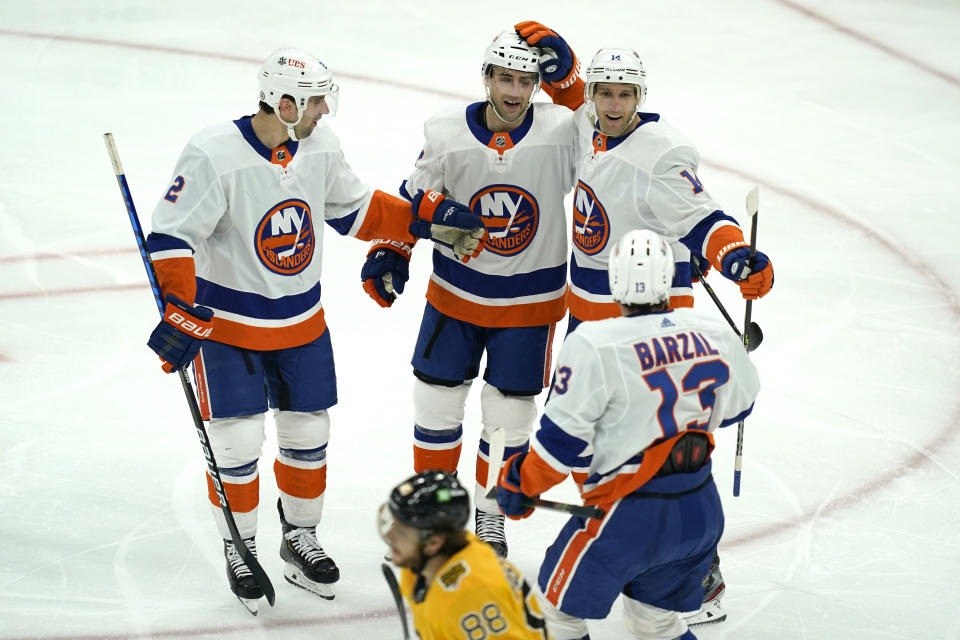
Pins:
x: 434, y: 543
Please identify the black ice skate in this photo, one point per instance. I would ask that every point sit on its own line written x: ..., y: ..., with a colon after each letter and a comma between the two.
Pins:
x: 307, y: 565
x: 242, y: 582
x: 710, y: 611
x: 489, y: 528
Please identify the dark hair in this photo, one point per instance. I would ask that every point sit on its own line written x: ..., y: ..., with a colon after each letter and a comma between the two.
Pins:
x: 453, y: 541
x: 633, y: 309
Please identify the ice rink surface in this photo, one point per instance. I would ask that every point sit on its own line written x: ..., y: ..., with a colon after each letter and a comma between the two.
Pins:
x: 845, y: 113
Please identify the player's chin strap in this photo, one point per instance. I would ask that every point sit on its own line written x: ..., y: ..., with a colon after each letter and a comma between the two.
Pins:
x: 289, y: 126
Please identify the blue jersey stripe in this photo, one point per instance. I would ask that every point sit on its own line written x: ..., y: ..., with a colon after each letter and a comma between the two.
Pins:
x: 560, y: 444
x: 157, y: 242
x: 253, y: 305
x: 491, y: 286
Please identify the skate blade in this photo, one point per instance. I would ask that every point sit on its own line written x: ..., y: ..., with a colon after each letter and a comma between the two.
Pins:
x: 250, y: 604
x: 701, y: 618
x: 295, y: 577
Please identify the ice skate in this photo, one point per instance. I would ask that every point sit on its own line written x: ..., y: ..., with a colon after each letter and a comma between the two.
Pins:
x: 710, y: 611
x: 489, y: 527
x: 242, y: 583
x: 307, y: 565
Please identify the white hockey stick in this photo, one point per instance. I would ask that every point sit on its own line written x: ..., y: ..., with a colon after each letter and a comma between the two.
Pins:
x: 498, y: 444
x: 753, y: 209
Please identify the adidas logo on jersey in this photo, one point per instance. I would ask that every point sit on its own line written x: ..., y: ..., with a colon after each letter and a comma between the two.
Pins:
x: 667, y: 323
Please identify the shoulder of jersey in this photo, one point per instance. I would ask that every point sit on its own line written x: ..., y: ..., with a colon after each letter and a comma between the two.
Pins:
x: 214, y: 132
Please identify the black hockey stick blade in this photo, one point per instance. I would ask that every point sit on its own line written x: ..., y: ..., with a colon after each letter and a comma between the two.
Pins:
x: 754, y: 337
x: 397, y: 598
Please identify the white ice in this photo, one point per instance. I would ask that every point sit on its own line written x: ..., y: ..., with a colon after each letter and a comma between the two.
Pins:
x: 845, y: 113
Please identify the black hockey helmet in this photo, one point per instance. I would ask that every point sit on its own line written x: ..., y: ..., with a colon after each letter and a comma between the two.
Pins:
x: 431, y: 501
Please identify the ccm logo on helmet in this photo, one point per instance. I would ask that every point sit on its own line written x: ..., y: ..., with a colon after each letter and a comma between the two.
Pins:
x: 188, y: 326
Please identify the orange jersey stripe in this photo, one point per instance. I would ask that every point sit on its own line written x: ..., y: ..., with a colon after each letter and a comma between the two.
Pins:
x: 305, y: 484
x: 678, y: 302
x: 575, y: 548
x: 268, y: 338
x: 533, y: 314
x: 387, y: 217
x: 586, y: 310
x: 177, y: 276
x: 243, y: 498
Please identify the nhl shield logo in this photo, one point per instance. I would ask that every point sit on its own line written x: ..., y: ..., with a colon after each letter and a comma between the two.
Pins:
x: 500, y: 141
x: 284, y: 239
x: 591, y: 226
x: 511, y: 215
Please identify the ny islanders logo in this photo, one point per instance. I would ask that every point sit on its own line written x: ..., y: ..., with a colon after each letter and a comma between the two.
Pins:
x: 591, y: 226
x: 511, y: 216
x: 284, y: 239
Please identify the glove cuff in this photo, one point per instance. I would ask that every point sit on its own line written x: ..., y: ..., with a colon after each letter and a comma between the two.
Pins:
x: 426, y: 207
x: 570, y: 79
x: 404, y: 249
x: 722, y: 241
x: 185, y: 319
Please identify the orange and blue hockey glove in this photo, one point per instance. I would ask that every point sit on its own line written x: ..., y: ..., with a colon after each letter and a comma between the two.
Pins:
x: 753, y: 275
x: 386, y: 270
x: 510, y: 498
x: 560, y: 72
x: 178, y: 337
x: 449, y: 223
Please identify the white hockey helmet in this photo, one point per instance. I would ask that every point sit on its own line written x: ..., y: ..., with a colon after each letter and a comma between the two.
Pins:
x: 641, y: 269
x: 620, y: 66
x: 296, y: 73
x: 511, y: 51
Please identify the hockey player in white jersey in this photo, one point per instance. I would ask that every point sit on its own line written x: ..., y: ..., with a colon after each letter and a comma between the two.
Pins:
x: 237, y: 244
x: 645, y: 391
x: 512, y: 162
x: 636, y: 171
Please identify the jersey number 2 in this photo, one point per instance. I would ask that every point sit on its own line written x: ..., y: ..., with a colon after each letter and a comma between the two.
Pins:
x: 714, y: 372
x: 174, y: 191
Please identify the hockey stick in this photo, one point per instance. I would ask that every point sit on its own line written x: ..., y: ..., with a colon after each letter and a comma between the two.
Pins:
x: 395, y: 590
x: 754, y: 334
x: 497, y: 446
x: 248, y: 558
x: 753, y: 209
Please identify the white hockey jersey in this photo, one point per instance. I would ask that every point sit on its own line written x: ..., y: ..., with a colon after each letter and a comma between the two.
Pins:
x: 625, y: 384
x: 644, y: 180
x: 517, y: 182
x: 242, y: 219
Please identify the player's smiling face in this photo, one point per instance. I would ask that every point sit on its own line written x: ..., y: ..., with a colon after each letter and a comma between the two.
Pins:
x: 510, y: 91
x: 616, y: 106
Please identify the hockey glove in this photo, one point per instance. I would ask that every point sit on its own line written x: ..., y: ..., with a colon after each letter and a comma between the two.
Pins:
x: 559, y: 72
x: 386, y: 270
x: 178, y: 337
x: 699, y: 266
x: 509, y: 496
x: 449, y: 223
x: 753, y: 275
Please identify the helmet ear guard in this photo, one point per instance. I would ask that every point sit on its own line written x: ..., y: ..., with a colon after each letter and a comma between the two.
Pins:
x: 641, y: 269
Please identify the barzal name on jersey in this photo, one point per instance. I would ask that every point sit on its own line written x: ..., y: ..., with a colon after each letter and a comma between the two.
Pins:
x: 516, y: 181
x: 474, y: 594
x: 237, y: 230
x: 646, y: 179
x: 686, y: 368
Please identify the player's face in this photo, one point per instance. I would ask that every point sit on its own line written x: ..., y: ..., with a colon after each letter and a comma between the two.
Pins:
x: 316, y: 108
x: 510, y: 91
x: 616, y: 106
x: 404, y: 543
